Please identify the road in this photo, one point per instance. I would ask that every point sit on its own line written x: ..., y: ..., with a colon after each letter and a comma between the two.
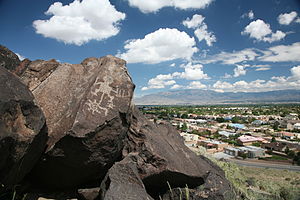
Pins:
x: 266, y: 165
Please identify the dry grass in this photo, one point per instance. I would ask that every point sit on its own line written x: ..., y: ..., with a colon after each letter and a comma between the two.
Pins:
x: 260, y: 183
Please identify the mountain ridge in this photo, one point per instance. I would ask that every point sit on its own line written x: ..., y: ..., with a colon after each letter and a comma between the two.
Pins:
x: 198, y: 96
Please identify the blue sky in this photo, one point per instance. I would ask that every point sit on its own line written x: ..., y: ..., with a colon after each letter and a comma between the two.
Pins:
x: 221, y: 45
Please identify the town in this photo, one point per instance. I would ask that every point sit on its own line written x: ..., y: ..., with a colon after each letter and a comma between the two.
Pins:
x: 269, y: 133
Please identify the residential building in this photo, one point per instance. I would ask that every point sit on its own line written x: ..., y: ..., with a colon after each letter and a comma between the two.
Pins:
x: 281, y: 146
x: 297, y: 126
x: 212, y: 145
x: 237, y: 126
x: 231, y: 151
x: 291, y: 116
x: 226, y: 133
x: 258, y: 122
x: 247, y: 140
x: 250, y: 151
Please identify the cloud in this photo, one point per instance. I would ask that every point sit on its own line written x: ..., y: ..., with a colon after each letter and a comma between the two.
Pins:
x: 162, y: 45
x: 287, y: 18
x: 195, y: 22
x: 227, y: 76
x: 176, y: 86
x: 278, y: 53
x: 20, y: 57
x: 196, y: 85
x: 191, y: 85
x: 276, y: 83
x: 173, y: 65
x: 263, y: 69
x: 239, y: 71
x: 282, y: 53
x: 192, y: 72
x: 261, y: 31
x: 80, y: 21
x: 160, y: 81
x: 249, y: 15
x: 155, y: 5
x: 201, y: 32
x: 295, y: 71
x: 231, y: 58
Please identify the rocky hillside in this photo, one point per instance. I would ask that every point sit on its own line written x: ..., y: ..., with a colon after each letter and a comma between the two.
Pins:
x: 71, y: 131
x: 199, y: 97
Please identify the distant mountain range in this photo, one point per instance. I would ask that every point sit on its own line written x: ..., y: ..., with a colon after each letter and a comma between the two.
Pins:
x: 199, y: 97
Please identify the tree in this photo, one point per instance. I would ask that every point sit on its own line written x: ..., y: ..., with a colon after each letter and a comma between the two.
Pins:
x: 287, y: 150
x: 244, y: 156
x: 220, y: 120
x: 184, y: 116
x: 291, y: 154
x: 184, y: 127
x: 273, y: 139
x: 296, y: 158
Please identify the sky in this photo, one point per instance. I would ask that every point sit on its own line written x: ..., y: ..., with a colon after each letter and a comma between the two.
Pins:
x: 220, y: 45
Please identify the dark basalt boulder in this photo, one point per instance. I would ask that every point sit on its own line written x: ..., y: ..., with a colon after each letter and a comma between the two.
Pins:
x: 21, y: 68
x: 87, y: 110
x: 100, y: 146
x: 123, y: 182
x: 34, y: 73
x: 23, y: 132
x: 163, y: 161
x: 8, y: 59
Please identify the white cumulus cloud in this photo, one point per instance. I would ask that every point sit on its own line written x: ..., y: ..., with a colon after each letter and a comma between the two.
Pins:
x: 192, y: 72
x: 201, y: 32
x: 239, y: 71
x: 80, y: 21
x: 276, y: 83
x: 287, y: 18
x: 155, y: 5
x: 249, y: 15
x: 295, y: 71
x: 160, y: 81
x: 162, y: 45
x: 261, y: 31
x: 282, y: 53
x: 196, y: 85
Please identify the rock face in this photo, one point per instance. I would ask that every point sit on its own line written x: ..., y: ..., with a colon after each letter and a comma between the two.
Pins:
x: 123, y: 182
x: 163, y: 161
x: 87, y: 108
x: 23, y: 132
x: 34, y: 73
x: 100, y: 147
x: 8, y: 59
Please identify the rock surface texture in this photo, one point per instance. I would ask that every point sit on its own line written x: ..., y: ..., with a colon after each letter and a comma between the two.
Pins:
x: 23, y: 132
x: 101, y: 147
x: 86, y: 107
x: 8, y: 59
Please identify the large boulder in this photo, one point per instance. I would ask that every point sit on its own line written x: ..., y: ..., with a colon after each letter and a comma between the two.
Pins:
x: 163, y: 161
x: 34, y: 73
x: 87, y: 107
x: 123, y: 182
x: 8, y: 59
x: 23, y: 132
x: 100, y: 146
